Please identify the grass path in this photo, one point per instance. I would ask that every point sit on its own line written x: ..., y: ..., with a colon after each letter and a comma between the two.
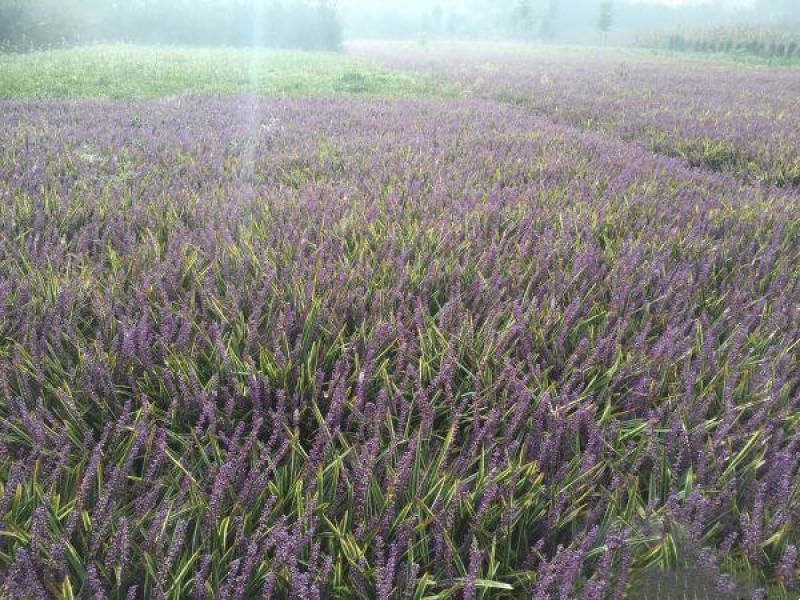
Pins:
x: 121, y: 71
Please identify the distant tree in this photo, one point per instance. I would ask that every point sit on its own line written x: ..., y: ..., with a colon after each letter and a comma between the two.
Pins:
x: 534, y: 19
x: 522, y: 19
x: 605, y: 19
x: 330, y: 26
x: 437, y: 19
x: 432, y: 22
x: 547, y: 23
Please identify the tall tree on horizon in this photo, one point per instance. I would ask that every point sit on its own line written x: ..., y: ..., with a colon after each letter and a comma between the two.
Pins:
x: 605, y: 19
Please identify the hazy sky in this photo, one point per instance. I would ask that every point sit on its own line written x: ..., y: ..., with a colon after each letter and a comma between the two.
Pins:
x: 419, y: 3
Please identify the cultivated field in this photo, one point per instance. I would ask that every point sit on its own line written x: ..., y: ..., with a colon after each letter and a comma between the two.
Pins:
x: 779, y: 45
x: 439, y: 323
x: 727, y: 118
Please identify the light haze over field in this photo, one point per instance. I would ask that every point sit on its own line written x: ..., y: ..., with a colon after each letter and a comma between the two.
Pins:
x: 572, y: 21
x: 327, y: 24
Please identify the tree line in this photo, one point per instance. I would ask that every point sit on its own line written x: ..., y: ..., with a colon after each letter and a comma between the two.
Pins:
x: 34, y: 24
x: 560, y: 21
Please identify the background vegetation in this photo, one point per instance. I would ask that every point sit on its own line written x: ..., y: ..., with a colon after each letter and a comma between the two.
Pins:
x: 579, y: 22
x: 308, y: 24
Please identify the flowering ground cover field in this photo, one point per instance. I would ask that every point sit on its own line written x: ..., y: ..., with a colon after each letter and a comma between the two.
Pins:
x: 375, y: 347
x: 729, y: 118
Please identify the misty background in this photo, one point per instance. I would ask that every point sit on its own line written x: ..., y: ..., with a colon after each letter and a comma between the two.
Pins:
x: 327, y: 24
x: 565, y: 21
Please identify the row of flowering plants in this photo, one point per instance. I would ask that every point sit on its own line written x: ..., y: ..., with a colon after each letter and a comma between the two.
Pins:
x: 716, y: 116
x: 763, y: 42
x: 329, y: 348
